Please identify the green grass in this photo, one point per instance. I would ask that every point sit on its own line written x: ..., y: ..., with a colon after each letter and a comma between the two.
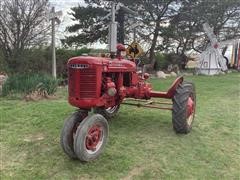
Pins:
x: 142, y: 144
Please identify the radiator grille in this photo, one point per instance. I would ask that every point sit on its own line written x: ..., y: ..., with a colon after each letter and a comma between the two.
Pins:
x: 88, y: 83
x: 82, y: 83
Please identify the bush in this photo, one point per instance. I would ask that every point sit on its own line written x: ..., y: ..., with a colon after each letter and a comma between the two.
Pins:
x: 27, y: 83
x: 3, y: 66
x: 162, y: 61
x: 39, y: 60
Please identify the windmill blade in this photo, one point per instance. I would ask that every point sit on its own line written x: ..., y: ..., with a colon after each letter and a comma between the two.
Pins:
x: 105, y: 17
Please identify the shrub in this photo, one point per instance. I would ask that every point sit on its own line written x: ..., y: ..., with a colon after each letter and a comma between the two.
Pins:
x: 162, y: 61
x: 39, y: 60
x: 62, y: 56
x: 3, y: 65
x: 27, y: 83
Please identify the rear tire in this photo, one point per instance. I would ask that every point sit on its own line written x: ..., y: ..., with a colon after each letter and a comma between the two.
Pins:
x: 68, y: 132
x: 91, y: 137
x: 184, y: 105
x: 108, y: 113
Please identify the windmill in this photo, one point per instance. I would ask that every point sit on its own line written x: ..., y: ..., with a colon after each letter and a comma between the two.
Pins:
x: 211, y: 60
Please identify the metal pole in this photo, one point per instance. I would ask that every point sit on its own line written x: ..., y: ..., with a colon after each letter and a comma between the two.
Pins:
x: 113, y: 32
x: 54, y: 71
x: 120, y: 20
x: 134, y: 34
x: 113, y: 12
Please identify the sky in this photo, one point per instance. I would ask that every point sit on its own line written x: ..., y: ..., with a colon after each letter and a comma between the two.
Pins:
x: 65, y: 7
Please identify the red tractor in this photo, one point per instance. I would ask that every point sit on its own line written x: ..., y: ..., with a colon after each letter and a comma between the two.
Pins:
x: 102, y: 84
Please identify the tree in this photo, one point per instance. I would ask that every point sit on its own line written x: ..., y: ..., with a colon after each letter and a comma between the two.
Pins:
x: 176, y: 24
x: 185, y: 31
x: 154, y: 15
x: 23, y: 24
x: 91, y: 28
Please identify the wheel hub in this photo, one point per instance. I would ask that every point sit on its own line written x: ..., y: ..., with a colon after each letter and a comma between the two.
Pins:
x: 93, y: 137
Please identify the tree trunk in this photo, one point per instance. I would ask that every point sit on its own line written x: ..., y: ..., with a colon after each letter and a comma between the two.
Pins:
x: 154, y: 43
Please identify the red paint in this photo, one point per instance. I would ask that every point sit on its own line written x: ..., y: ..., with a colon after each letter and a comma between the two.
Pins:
x: 171, y: 91
x: 93, y: 137
x: 121, y: 47
x: 190, y: 107
x: 92, y: 78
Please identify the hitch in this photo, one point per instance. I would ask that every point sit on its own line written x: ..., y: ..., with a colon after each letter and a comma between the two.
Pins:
x: 171, y: 91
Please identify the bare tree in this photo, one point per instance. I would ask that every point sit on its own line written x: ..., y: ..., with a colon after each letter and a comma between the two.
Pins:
x: 22, y: 25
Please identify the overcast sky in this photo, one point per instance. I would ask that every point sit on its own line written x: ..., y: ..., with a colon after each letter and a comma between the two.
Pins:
x: 65, y: 7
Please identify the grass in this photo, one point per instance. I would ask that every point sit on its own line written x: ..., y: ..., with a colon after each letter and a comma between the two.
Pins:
x: 142, y: 144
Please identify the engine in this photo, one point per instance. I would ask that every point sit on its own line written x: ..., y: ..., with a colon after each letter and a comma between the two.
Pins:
x: 104, y: 82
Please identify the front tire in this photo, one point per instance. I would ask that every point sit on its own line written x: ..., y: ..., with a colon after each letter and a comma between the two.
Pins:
x: 91, y: 137
x: 108, y: 113
x: 68, y: 132
x: 184, y: 105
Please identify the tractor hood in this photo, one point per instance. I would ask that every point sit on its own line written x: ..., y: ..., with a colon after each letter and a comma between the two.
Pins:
x: 108, y: 64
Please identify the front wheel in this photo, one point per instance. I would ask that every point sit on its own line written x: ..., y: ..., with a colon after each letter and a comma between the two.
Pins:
x: 184, y: 105
x: 69, y: 130
x: 108, y: 113
x: 91, y: 137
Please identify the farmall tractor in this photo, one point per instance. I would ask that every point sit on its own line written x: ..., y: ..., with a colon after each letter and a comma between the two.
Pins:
x: 101, y: 85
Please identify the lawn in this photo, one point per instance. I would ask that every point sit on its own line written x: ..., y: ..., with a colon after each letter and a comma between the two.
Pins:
x: 142, y: 144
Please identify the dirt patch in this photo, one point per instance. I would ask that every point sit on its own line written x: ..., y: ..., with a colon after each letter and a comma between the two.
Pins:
x: 134, y: 172
x: 34, y: 137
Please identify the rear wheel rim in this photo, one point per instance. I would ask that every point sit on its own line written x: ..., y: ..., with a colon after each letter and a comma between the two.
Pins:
x: 190, y: 110
x: 94, y: 139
